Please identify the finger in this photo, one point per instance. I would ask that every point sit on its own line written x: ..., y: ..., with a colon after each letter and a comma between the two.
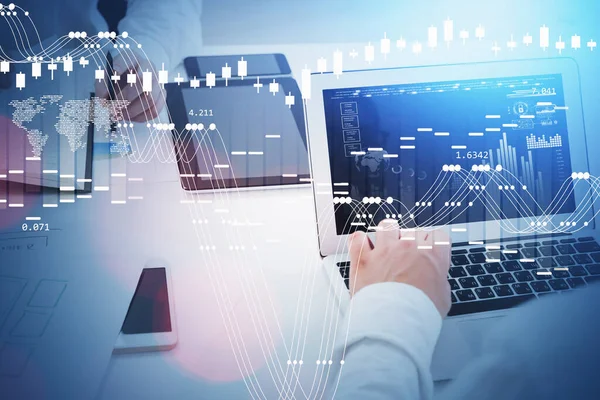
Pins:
x: 122, y: 64
x: 129, y: 93
x: 388, y: 233
x: 145, y: 101
x: 424, y: 240
x: 150, y: 113
x: 358, y: 247
x: 442, y: 245
x: 441, y: 239
x: 138, y: 106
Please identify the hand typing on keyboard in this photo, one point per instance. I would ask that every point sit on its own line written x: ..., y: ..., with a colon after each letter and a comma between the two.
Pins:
x: 405, y: 257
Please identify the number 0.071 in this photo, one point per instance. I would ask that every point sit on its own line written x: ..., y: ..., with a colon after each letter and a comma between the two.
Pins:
x: 35, y: 227
x: 473, y: 154
x: 202, y: 112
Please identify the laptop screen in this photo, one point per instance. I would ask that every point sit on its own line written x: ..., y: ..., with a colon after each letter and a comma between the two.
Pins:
x: 438, y: 153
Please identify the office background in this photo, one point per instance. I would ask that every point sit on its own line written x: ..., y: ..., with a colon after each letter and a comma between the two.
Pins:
x: 120, y: 241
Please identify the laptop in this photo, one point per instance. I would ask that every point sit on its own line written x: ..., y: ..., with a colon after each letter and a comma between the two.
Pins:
x: 495, y: 153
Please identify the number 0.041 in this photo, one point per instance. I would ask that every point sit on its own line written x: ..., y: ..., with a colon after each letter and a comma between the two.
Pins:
x: 35, y: 227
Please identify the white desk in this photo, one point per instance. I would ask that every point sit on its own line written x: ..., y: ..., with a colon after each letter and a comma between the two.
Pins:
x: 203, y: 357
x: 202, y: 363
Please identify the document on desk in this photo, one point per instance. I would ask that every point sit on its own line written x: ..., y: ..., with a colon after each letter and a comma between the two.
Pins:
x: 60, y: 312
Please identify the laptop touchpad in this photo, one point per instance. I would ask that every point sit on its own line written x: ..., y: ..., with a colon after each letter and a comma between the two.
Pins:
x: 477, y: 330
x: 460, y: 341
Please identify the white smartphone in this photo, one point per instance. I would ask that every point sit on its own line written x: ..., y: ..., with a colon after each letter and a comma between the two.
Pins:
x: 150, y: 321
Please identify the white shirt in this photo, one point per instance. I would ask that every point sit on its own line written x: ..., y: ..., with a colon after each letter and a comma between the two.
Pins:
x: 168, y: 30
x: 393, y: 328
x: 544, y: 349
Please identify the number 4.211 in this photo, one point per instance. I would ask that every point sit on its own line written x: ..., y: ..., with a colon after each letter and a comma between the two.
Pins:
x: 201, y: 113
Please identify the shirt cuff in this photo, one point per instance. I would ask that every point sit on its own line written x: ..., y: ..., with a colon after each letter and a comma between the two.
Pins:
x: 397, y: 313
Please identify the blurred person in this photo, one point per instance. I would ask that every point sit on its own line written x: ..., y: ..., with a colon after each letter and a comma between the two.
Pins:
x: 156, y: 24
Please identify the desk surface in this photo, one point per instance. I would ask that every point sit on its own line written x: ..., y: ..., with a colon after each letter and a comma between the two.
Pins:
x: 281, y: 277
x: 278, y: 294
x: 285, y: 278
x: 273, y: 302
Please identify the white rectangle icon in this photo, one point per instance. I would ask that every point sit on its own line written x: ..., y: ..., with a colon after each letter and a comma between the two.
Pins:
x: 226, y: 72
x: 337, y: 62
x: 242, y: 68
x: 385, y: 45
x: 68, y: 65
x: 321, y: 65
x: 4, y: 66
x: 448, y: 30
x: 369, y: 53
x: 432, y: 37
x: 211, y: 79
x: 544, y: 37
x: 290, y: 100
x: 163, y: 77
x: 147, y: 81
x: 401, y: 43
x: 480, y: 32
x: 20, y: 80
x: 131, y: 79
x: 273, y: 87
x: 306, y: 86
x: 36, y: 70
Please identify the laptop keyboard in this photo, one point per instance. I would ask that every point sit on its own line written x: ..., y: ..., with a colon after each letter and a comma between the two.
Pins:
x: 485, y: 280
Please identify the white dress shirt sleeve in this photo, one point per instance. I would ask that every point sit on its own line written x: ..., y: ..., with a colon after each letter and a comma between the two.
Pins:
x: 169, y: 31
x: 392, y: 332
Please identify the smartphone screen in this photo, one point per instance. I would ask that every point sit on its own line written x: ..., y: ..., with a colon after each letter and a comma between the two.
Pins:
x: 149, y: 308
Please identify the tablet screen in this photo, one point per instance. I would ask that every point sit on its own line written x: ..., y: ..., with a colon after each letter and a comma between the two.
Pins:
x: 257, y: 140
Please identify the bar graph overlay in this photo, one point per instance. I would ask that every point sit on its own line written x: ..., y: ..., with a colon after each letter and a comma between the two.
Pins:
x: 523, y: 168
x: 534, y: 142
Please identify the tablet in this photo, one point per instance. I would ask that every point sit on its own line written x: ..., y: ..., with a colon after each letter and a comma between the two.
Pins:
x: 257, y: 140
x: 256, y: 64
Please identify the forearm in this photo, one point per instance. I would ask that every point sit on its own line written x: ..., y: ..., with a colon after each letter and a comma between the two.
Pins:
x: 393, y: 329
